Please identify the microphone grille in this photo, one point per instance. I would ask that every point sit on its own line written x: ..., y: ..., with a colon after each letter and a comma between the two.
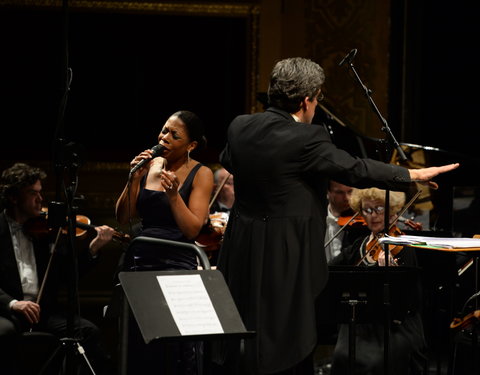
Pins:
x: 157, y: 150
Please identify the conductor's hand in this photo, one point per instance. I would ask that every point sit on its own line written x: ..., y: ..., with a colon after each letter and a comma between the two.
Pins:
x: 104, y: 236
x: 30, y: 310
x: 424, y: 175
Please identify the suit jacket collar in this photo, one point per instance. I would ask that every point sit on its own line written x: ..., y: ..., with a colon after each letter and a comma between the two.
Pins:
x: 7, y: 258
x: 281, y: 112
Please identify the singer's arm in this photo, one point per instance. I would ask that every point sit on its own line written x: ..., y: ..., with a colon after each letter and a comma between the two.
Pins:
x: 190, y: 219
x: 126, y: 207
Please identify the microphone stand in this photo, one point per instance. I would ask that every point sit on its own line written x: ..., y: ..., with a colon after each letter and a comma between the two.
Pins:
x: 66, y: 158
x: 389, y: 137
x: 385, y: 128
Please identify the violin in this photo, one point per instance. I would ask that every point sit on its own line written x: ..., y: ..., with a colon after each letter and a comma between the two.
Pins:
x: 415, y: 225
x: 467, y: 321
x: 374, y: 248
x: 37, y: 227
x: 348, y: 221
x: 352, y: 221
x: 211, y: 235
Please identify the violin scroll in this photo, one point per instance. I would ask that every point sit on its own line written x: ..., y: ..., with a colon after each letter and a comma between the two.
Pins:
x: 467, y: 321
x: 352, y: 221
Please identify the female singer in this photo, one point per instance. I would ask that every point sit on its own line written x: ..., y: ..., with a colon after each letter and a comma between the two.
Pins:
x: 171, y: 195
x: 407, y: 341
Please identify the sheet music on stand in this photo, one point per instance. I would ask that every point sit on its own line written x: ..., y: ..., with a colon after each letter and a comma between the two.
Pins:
x: 182, y: 305
x: 436, y: 243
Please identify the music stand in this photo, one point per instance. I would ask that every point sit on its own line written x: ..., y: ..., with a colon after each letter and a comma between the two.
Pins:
x: 159, y: 301
x: 357, y: 295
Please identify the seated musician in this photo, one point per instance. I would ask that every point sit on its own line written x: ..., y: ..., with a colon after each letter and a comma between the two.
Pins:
x: 339, y: 210
x: 26, y: 303
x: 407, y: 341
x: 222, y: 200
x: 223, y: 196
x: 226, y: 195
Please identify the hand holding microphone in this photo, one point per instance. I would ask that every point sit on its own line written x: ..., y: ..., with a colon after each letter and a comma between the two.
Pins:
x: 156, y: 150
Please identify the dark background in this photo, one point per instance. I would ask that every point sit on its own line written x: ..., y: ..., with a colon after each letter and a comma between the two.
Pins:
x: 130, y: 72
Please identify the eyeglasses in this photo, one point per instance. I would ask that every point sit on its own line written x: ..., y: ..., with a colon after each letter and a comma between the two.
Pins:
x: 370, y: 210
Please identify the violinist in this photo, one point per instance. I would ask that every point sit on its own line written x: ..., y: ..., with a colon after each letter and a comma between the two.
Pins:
x: 211, y: 236
x: 23, y: 266
x: 337, y: 237
x: 226, y: 195
x: 407, y: 342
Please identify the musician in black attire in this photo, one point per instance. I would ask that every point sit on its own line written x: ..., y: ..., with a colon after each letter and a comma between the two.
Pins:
x: 226, y: 195
x: 407, y: 342
x: 23, y: 265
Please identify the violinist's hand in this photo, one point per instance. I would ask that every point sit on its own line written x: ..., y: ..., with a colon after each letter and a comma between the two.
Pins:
x: 424, y: 175
x: 381, y: 260
x: 104, y: 236
x: 30, y: 310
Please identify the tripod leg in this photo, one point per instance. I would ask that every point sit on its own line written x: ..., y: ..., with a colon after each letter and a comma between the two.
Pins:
x: 49, y: 361
x: 82, y: 352
x: 351, y: 347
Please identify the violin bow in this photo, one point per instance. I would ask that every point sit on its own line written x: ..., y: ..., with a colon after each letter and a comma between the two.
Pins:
x: 47, y: 271
x: 342, y: 228
x: 42, y: 287
x: 399, y: 214
x: 405, y: 208
x: 220, y: 187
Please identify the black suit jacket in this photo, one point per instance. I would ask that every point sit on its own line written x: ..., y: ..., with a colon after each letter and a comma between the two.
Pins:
x: 10, y: 284
x: 273, y: 257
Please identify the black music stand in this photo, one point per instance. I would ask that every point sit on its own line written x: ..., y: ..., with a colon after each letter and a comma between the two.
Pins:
x: 357, y: 295
x: 158, y: 315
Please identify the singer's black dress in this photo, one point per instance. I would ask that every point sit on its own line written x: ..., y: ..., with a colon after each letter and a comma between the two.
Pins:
x: 406, y: 337
x: 158, y: 222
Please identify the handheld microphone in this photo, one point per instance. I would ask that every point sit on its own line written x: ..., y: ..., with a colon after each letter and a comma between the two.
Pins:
x: 157, y: 151
x: 349, y: 58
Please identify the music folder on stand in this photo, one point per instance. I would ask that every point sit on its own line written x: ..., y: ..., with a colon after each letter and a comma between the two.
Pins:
x: 356, y: 295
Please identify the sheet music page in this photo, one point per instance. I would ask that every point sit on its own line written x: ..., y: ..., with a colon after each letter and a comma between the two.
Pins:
x: 190, y: 304
x: 445, y: 242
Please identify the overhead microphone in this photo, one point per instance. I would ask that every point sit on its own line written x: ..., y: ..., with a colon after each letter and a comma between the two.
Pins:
x: 349, y: 58
x: 156, y: 151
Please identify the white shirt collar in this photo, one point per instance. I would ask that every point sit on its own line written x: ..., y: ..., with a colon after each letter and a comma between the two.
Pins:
x: 295, y: 117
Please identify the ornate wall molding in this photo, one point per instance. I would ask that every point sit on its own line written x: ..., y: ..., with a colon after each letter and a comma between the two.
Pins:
x: 333, y: 29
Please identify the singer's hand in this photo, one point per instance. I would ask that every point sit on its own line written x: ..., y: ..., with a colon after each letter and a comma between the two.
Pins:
x: 30, y: 310
x: 169, y: 182
x: 145, y: 155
